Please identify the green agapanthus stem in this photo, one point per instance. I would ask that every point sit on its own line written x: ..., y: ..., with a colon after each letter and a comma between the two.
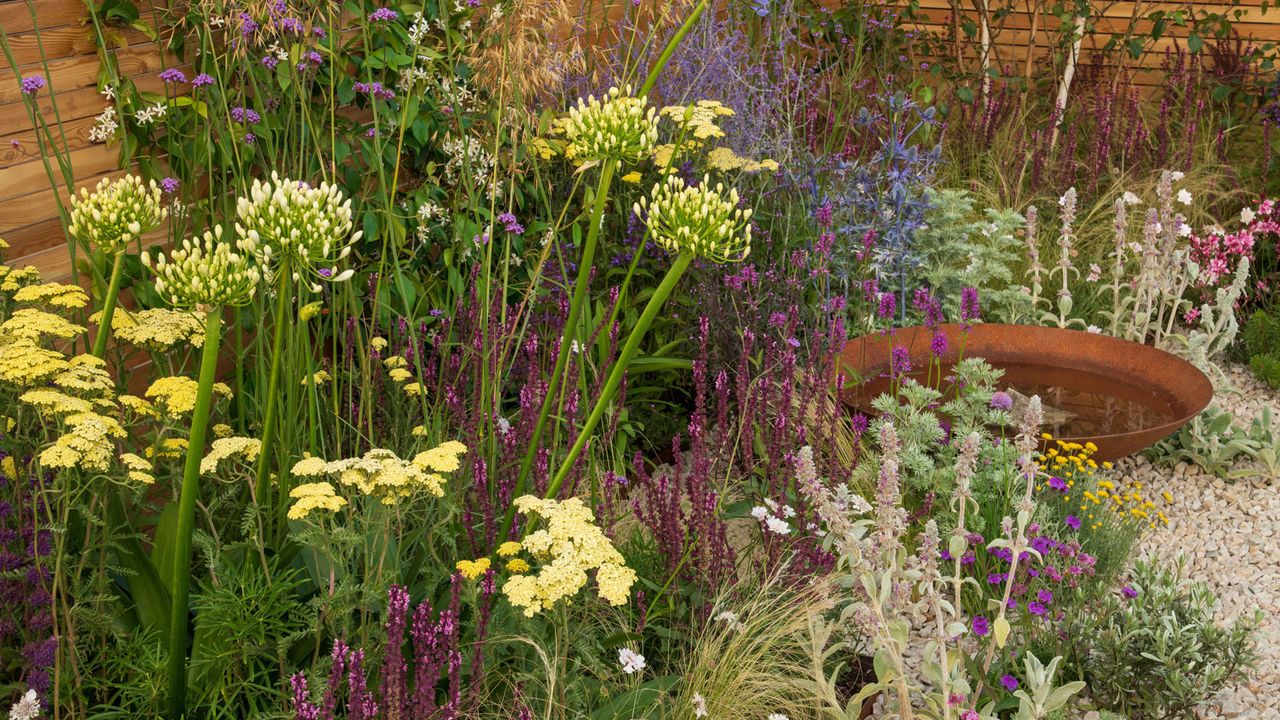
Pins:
x: 629, y: 350
x: 108, y: 307
x: 580, y: 290
x: 283, y: 301
x: 181, y: 577
x: 656, y: 71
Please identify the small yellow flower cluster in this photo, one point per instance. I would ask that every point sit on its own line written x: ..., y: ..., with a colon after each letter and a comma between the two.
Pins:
x: 139, y: 407
x: 11, y: 281
x: 1073, y: 473
x: 139, y: 468
x: 116, y: 213
x: 725, y: 159
x: 71, y: 297
x: 176, y: 394
x: 52, y: 403
x: 24, y: 363
x: 204, y: 271
x: 702, y: 219
x: 567, y: 548
x: 383, y: 475
x: 314, y: 496
x: 472, y: 569
x: 87, y: 445
x: 618, y: 128
x: 86, y: 374
x: 229, y: 447
x: 157, y: 329
x: 35, y: 324
x: 399, y: 372
x: 317, y: 378
x: 174, y: 447
x: 699, y: 117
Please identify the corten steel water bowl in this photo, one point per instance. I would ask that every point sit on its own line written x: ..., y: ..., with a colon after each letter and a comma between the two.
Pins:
x: 1120, y: 395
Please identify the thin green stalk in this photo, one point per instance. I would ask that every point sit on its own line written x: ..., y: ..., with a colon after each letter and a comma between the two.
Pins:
x: 273, y: 386
x: 181, y: 579
x: 629, y: 350
x: 656, y: 71
x: 570, y: 335
x: 108, y: 307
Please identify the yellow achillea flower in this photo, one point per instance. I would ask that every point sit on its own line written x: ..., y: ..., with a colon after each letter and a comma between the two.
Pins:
x: 472, y: 569
x: 15, y: 280
x: 395, y: 361
x: 141, y: 407
x: 139, y: 468
x: 632, y: 177
x: 176, y: 394
x: 318, y: 378
x: 725, y: 159
x: 55, y: 294
x: 508, y: 549
x: 567, y: 548
x: 229, y: 447
x: 87, y: 444
x: 86, y: 374
x: 222, y: 430
x: 412, y: 389
x: 53, y: 403
x: 517, y: 566
x: 399, y: 374
x: 378, y: 343
x: 157, y: 329
x: 24, y: 363
x: 382, y: 474
x: 169, y: 448
x: 314, y: 496
x: 36, y: 324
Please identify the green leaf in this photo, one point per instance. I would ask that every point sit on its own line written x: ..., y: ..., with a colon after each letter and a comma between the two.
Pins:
x: 642, y: 702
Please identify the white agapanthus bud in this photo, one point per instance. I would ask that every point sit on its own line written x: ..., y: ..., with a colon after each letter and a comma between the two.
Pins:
x: 617, y: 127
x: 204, y: 271
x: 116, y: 213
x: 292, y: 222
x: 702, y: 220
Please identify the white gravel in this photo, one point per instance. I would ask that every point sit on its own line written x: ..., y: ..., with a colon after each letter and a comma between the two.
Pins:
x: 1229, y: 532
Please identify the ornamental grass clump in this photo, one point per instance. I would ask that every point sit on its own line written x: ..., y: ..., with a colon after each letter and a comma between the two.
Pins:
x: 206, y: 275
x: 115, y: 214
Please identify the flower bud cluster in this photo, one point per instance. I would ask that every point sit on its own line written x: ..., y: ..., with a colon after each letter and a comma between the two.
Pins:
x: 617, y: 127
x: 305, y: 228
x: 116, y: 213
x: 698, y: 219
x: 205, y: 271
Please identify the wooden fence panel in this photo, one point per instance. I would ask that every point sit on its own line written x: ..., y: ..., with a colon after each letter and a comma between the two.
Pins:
x: 57, y: 31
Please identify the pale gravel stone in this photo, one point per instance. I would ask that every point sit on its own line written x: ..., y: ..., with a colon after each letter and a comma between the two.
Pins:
x: 1227, y: 532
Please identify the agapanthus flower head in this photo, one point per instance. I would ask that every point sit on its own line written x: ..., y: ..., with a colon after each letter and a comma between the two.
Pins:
x: 617, y: 127
x: 116, y: 213
x: 700, y: 219
x: 205, y: 271
x: 304, y: 227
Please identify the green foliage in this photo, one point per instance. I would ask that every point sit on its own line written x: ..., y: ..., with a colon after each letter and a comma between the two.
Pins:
x: 964, y: 248
x: 1214, y: 441
x: 1162, y: 654
x: 1261, y: 335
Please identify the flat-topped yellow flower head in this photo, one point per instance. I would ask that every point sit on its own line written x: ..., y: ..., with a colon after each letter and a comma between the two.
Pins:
x: 617, y: 127
x: 700, y: 219
x: 204, y: 271
x: 116, y: 213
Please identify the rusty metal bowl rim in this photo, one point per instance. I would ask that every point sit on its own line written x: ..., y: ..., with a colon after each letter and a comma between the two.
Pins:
x: 1186, y: 402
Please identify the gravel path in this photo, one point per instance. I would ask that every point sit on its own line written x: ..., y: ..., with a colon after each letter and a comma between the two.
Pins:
x: 1230, y: 535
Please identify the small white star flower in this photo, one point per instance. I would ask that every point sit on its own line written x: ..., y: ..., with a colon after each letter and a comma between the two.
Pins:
x: 632, y: 661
